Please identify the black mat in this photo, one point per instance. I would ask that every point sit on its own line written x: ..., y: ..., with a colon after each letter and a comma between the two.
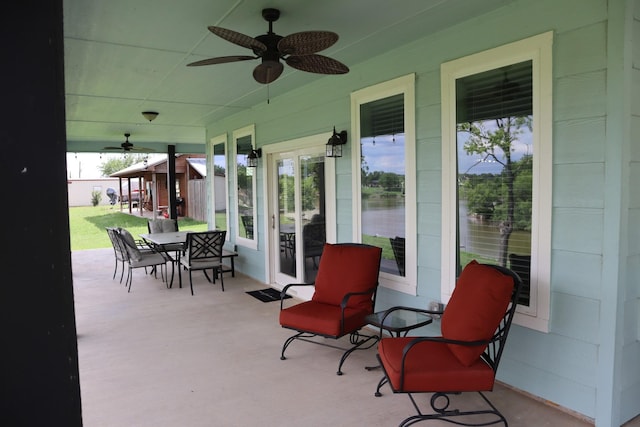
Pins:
x: 267, y: 295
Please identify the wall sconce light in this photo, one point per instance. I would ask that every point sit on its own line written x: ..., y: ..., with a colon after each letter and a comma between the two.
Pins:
x: 335, y: 143
x: 252, y: 158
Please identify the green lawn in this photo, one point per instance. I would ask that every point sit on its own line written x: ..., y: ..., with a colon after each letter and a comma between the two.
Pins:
x: 87, y: 225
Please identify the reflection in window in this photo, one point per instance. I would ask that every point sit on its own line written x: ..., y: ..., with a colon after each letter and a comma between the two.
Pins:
x: 495, y: 163
x: 245, y: 188
x: 382, y: 169
x: 220, y: 186
x: 313, y: 213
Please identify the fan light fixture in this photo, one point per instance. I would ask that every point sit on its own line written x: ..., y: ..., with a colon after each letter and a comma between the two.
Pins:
x: 298, y: 50
x: 150, y: 115
x: 252, y: 158
x: 335, y: 143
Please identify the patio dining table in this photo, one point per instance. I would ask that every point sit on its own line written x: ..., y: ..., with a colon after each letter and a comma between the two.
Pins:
x: 163, y: 241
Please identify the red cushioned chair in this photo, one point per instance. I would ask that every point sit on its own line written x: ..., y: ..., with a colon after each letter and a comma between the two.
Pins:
x: 474, y: 328
x: 345, y: 291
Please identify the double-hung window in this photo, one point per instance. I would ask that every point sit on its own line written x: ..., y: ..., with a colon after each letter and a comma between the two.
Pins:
x: 384, y: 202
x: 497, y: 163
x: 218, y: 173
x: 245, y: 187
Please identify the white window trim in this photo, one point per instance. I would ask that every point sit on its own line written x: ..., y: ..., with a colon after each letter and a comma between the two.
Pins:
x: 220, y: 139
x: 539, y: 50
x: 402, y: 85
x: 243, y: 241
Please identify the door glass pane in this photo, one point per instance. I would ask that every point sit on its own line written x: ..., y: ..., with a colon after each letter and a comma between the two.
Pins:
x: 246, y: 213
x: 220, y: 186
x: 313, y: 213
x: 287, y: 216
x: 383, y: 180
x: 495, y: 159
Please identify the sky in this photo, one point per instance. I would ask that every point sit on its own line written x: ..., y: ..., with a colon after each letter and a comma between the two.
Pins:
x: 86, y: 165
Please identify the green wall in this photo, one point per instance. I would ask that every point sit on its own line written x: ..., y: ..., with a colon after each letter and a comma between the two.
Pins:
x: 588, y: 361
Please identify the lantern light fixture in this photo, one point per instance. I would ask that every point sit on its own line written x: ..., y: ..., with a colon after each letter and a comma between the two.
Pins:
x: 335, y: 143
x: 252, y: 158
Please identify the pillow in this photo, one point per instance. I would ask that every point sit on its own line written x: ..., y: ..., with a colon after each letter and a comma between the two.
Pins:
x: 155, y: 226
x: 478, y: 303
x: 347, y: 268
x: 130, y: 244
x: 168, y: 225
x: 162, y: 225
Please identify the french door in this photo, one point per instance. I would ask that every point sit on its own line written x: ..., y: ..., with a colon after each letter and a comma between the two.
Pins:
x: 297, y: 214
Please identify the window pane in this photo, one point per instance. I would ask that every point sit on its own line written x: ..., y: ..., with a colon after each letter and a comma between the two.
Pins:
x: 245, y: 188
x: 314, y: 233
x: 495, y: 164
x: 382, y: 168
x: 220, y: 186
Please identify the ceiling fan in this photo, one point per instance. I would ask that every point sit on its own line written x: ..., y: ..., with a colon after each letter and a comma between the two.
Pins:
x: 298, y: 50
x: 127, y: 146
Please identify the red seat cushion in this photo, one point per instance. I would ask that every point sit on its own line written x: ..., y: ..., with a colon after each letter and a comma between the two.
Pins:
x: 431, y: 366
x: 478, y: 303
x: 323, y: 319
x: 344, y: 269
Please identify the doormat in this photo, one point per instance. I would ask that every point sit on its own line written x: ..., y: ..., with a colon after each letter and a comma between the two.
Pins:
x: 267, y: 295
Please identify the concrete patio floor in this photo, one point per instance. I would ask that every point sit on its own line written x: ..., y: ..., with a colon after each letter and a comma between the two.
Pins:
x: 161, y: 357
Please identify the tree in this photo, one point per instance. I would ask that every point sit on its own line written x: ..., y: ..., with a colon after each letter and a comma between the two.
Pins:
x: 115, y: 164
x: 496, y: 145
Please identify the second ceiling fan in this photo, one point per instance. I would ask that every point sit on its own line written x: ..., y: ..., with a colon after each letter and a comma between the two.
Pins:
x: 298, y: 50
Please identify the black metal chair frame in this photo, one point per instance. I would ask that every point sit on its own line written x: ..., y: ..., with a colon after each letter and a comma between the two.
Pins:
x: 440, y: 401
x: 203, y: 251
x: 119, y: 252
x: 150, y: 258
x: 176, y: 248
x: 357, y: 340
x: 398, y: 247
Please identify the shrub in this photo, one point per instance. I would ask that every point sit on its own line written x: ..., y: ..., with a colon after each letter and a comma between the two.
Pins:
x: 96, y: 197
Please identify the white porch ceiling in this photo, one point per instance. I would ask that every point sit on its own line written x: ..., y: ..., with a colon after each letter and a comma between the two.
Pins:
x: 123, y: 57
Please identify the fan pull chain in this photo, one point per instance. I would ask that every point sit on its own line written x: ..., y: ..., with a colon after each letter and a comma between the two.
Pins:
x: 268, y: 95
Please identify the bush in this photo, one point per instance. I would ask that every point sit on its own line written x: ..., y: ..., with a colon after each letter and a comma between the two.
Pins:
x: 96, y: 198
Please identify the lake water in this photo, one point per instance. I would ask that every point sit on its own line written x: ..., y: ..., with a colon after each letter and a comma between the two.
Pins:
x: 386, y: 218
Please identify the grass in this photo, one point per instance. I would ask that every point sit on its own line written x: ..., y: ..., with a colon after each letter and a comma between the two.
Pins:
x: 87, y: 225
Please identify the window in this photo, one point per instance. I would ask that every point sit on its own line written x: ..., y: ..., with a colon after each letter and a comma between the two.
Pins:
x: 496, y: 113
x: 219, y: 183
x: 245, y: 188
x: 385, y: 201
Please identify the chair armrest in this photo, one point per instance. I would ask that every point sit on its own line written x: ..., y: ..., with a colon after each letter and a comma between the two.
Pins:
x: 345, y: 299
x: 284, y: 290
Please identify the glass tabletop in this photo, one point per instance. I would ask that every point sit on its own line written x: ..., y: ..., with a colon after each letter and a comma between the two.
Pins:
x: 400, y: 320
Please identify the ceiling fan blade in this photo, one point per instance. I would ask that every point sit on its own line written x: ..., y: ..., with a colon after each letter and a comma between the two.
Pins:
x: 238, y: 38
x: 141, y: 149
x: 268, y: 71
x: 306, y: 42
x: 112, y: 148
x: 222, y: 60
x: 317, y: 64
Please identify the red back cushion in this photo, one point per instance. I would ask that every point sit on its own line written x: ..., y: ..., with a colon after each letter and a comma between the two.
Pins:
x: 344, y: 269
x: 479, y: 301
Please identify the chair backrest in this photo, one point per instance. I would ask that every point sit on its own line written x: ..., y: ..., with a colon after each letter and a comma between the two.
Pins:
x: 247, y: 223
x: 118, y: 249
x: 398, y: 245
x: 129, y: 244
x: 521, y: 264
x: 314, y: 235
x: 348, y: 268
x: 205, y: 245
x: 481, y: 308
x: 162, y: 225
